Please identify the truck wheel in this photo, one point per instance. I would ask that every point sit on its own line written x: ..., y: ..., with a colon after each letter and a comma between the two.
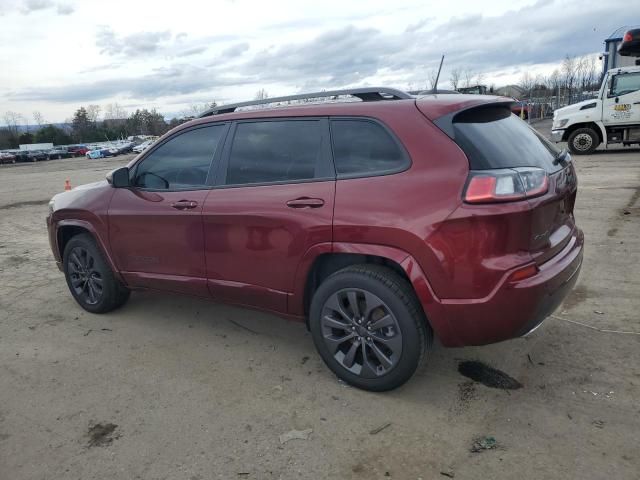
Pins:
x: 89, y: 277
x: 368, y: 327
x: 583, y: 141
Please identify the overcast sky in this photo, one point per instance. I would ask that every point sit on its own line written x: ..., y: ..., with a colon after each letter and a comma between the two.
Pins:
x: 57, y: 55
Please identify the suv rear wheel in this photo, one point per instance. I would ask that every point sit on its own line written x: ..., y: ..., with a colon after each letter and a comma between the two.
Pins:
x: 89, y: 277
x: 583, y: 141
x: 368, y: 327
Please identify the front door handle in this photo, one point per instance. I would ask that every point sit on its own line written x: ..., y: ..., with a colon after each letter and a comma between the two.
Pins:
x: 184, y: 204
x: 305, y: 202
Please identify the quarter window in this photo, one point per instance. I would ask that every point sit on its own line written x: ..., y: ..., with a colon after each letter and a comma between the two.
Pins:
x: 275, y: 151
x: 182, y: 163
x: 362, y: 147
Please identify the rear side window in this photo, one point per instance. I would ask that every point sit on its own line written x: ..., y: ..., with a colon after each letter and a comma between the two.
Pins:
x: 181, y: 163
x: 362, y: 147
x: 492, y: 137
x: 275, y: 151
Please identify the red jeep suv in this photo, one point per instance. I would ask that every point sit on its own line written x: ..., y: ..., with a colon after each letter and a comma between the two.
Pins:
x: 380, y: 222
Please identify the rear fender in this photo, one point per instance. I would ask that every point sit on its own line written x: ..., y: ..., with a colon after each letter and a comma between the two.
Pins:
x: 429, y: 301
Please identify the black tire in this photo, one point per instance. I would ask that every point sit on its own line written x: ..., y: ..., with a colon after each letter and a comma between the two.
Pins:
x: 398, y: 298
x: 83, y: 271
x: 583, y: 141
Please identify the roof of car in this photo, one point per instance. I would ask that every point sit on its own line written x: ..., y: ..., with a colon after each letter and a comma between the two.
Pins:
x: 433, y: 106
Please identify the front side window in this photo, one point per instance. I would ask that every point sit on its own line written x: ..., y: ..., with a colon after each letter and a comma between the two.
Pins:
x: 275, y: 151
x: 182, y: 163
x: 362, y: 147
x: 625, y: 83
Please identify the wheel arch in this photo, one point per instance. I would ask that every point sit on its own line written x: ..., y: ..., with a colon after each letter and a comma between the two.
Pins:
x: 67, y: 229
x: 325, y: 259
x: 602, y: 134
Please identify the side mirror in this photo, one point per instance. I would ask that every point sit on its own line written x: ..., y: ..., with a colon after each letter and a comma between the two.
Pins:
x: 119, y: 178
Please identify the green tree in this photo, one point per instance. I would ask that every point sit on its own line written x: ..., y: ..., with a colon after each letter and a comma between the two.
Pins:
x: 55, y: 135
x: 83, y: 128
x: 25, y: 138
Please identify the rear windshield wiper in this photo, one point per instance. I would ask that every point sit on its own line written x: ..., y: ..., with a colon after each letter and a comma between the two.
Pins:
x: 561, y: 156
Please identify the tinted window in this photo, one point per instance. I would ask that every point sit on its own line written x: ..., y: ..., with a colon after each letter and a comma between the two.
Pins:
x: 275, y: 151
x: 363, y: 147
x: 625, y: 83
x: 492, y: 137
x: 182, y: 162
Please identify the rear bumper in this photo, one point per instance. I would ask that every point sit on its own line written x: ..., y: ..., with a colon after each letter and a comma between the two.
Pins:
x: 513, y: 309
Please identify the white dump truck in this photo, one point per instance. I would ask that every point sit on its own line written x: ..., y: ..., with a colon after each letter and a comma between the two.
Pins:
x: 612, y: 117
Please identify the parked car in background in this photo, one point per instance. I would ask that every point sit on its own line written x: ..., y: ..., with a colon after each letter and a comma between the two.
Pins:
x: 77, y: 150
x: 21, y: 155
x: 143, y: 146
x: 125, y: 147
x: 6, y: 157
x: 58, y: 152
x: 379, y: 223
x: 37, y: 156
x: 99, y: 153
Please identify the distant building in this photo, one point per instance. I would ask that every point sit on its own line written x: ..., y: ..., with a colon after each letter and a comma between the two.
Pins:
x: 513, y: 91
x: 610, y: 57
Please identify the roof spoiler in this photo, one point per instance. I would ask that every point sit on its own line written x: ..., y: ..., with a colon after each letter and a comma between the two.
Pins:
x: 445, y: 123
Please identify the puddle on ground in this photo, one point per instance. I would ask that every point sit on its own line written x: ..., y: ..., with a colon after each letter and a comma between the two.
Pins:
x: 488, y: 376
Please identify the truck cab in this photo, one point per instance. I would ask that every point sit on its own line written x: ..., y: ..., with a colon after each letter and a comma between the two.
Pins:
x: 612, y: 117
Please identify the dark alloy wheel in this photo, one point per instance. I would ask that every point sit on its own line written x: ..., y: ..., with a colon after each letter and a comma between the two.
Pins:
x: 369, y: 327
x: 86, y: 281
x: 89, y: 277
x: 361, y: 332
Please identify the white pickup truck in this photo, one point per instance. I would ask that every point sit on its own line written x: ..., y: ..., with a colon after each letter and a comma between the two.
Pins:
x: 612, y: 117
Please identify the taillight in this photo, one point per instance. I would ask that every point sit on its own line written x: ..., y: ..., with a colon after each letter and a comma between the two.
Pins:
x: 627, y: 37
x: 505, y: 185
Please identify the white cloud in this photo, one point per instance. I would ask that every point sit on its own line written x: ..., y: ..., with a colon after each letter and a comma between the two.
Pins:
x: 145, y: 52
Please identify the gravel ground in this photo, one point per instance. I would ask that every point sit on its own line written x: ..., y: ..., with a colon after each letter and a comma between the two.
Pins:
x: 177, y: 388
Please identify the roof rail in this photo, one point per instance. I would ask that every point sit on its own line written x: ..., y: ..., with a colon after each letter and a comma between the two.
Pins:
x: 368, y: 94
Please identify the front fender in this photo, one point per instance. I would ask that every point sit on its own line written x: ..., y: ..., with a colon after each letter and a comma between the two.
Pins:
x: 88, y: 226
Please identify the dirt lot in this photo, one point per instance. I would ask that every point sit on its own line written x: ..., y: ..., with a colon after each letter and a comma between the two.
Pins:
x: 176, y: 388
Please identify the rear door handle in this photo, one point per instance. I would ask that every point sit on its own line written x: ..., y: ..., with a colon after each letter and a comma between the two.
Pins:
x: 305, y: 202
x: 184, y: 204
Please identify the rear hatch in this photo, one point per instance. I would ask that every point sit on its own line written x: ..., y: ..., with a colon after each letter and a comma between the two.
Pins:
x: 497, y: 143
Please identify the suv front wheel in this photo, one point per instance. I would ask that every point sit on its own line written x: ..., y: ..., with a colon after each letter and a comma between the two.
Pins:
x: 368, y: 327
x: 89, y: 277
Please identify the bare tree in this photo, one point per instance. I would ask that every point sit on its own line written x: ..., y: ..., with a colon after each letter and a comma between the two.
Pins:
x: 454, y: 78
x: 480, y: 78
x: 196, y: 109
x: 467, y: 76
x: 13, y: 120
x: 114, y: 111
x: 93, y: 113
x: 38, y: 118
x: 261, y: 94
x: 432, y: 76
x: 569, y: 71
x: 526, y: 83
